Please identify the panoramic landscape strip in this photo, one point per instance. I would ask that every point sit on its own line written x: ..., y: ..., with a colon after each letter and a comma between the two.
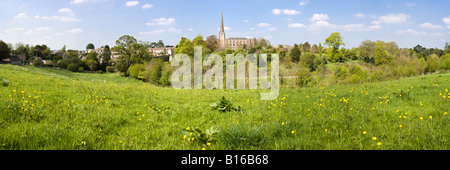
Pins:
x: 288, y: 77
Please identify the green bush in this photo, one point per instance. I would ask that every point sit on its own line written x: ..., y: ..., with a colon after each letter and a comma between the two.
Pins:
x: 73, y: 67
x: 433, y: 63
x: 153, y: 71
x: 110, y: 69
x: 304, y: 77
x: 165, y: 78
x: 135, y: 70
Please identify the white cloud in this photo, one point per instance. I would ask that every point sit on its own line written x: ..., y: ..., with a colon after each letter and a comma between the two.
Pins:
x: 43, y: 17
x: 22, y: 15
x: 190, y: 29
x: 273, y: 28
x: 225, y: 29
x: 146, y: 6
x: 359, y: 15
x: 65, y: 18
x: 246, y: 21
x: 391, y: 19
x: 18, y: 29
x: 410, y: 4
x: 348, y: 27
x: 297, y: 25
x: 431, y: 26
x: 411, y: 32
x: 154, y: 32
x: 446, y: 20
x: 75, y: 30
x: 173, y: 30
x: 285, y: 12
x: 131, y: 3
x: 35, y: 30
x: 161, y: 31
x: 83, y: 1
x: 252, y: 28
x: 66, y: 11
x: 161, y: 21
x: 319, y: 17
x: 303, y: 3
x: 263, y: 24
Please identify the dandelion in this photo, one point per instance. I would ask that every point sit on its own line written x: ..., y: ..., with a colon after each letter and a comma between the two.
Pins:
x: 445, y: 113
x: 188, y: 128
x: 404, y: 117
x: 431, y: 117
x: 374, y: 138
x: 22, y: 92
x: 293, y: 132
x: 400, y: 126
x: 406, y: 113
x: 193, y: 139
x: 364, y: 132
x: 421, y: 118
x: 184, y: 137
x: 379, y: 144
x: 282, y: 124
x: 120, y: 142
x: 209, y: 144
x: 203, y: 149
x: 326, y: 130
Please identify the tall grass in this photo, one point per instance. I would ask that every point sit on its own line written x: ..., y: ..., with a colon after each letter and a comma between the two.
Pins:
x: 52, y: 109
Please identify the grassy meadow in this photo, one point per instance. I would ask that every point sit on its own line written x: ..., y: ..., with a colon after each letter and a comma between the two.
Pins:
x: 49, y: 109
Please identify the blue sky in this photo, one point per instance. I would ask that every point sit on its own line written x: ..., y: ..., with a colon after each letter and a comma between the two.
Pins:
x: 76, y: 23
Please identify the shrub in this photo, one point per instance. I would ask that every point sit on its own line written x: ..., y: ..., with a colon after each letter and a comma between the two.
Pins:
x: 165, y: 78
x: 304, y: 77
x: 73, y: 67
x: 38, y: 62
x: 153, y: 71
x: 110, y: 69
x: 433, y: 63
x: 341, y: 72
x: 135, y: 70
x: 225, y: 105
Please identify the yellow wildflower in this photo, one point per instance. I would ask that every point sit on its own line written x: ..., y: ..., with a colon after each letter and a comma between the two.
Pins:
x: 374, y: 138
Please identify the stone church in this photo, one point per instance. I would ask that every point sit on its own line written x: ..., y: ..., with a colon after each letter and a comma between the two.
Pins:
x: 232, y: 43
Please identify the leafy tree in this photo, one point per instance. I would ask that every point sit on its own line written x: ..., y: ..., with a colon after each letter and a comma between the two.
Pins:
x: 5, y: 51
x: 381, y: 55
x: 63, y: 49
x: 105, y: 58
x: 295, y: 54
x: 153, y: 70
x: 320, y: 49
x: 185, y: 46
x: 335, y: 41
x: 314, y: 49
x: 212, y: 43
x: 160, y: 44
x: 309, y: 61
x: 306, y: 46
x: 130, y: 52
x: 433, y: 63
x: 418, y: 49
x: 90, y: 46
x: 366, y: 51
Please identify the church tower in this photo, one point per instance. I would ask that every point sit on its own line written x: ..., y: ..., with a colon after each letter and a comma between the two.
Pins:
x: 222, y: 34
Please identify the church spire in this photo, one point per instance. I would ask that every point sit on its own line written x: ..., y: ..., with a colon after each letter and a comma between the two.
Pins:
x: 222, y: 39
x: 222, y: 29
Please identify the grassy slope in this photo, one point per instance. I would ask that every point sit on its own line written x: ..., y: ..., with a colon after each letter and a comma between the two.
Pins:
x: 50, y: 109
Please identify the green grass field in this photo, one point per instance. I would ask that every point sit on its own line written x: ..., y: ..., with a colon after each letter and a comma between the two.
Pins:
x: 50, y: 109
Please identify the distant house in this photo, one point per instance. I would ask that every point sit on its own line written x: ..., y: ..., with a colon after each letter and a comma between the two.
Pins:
x: 14, y: 60
x: 163, y: 52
